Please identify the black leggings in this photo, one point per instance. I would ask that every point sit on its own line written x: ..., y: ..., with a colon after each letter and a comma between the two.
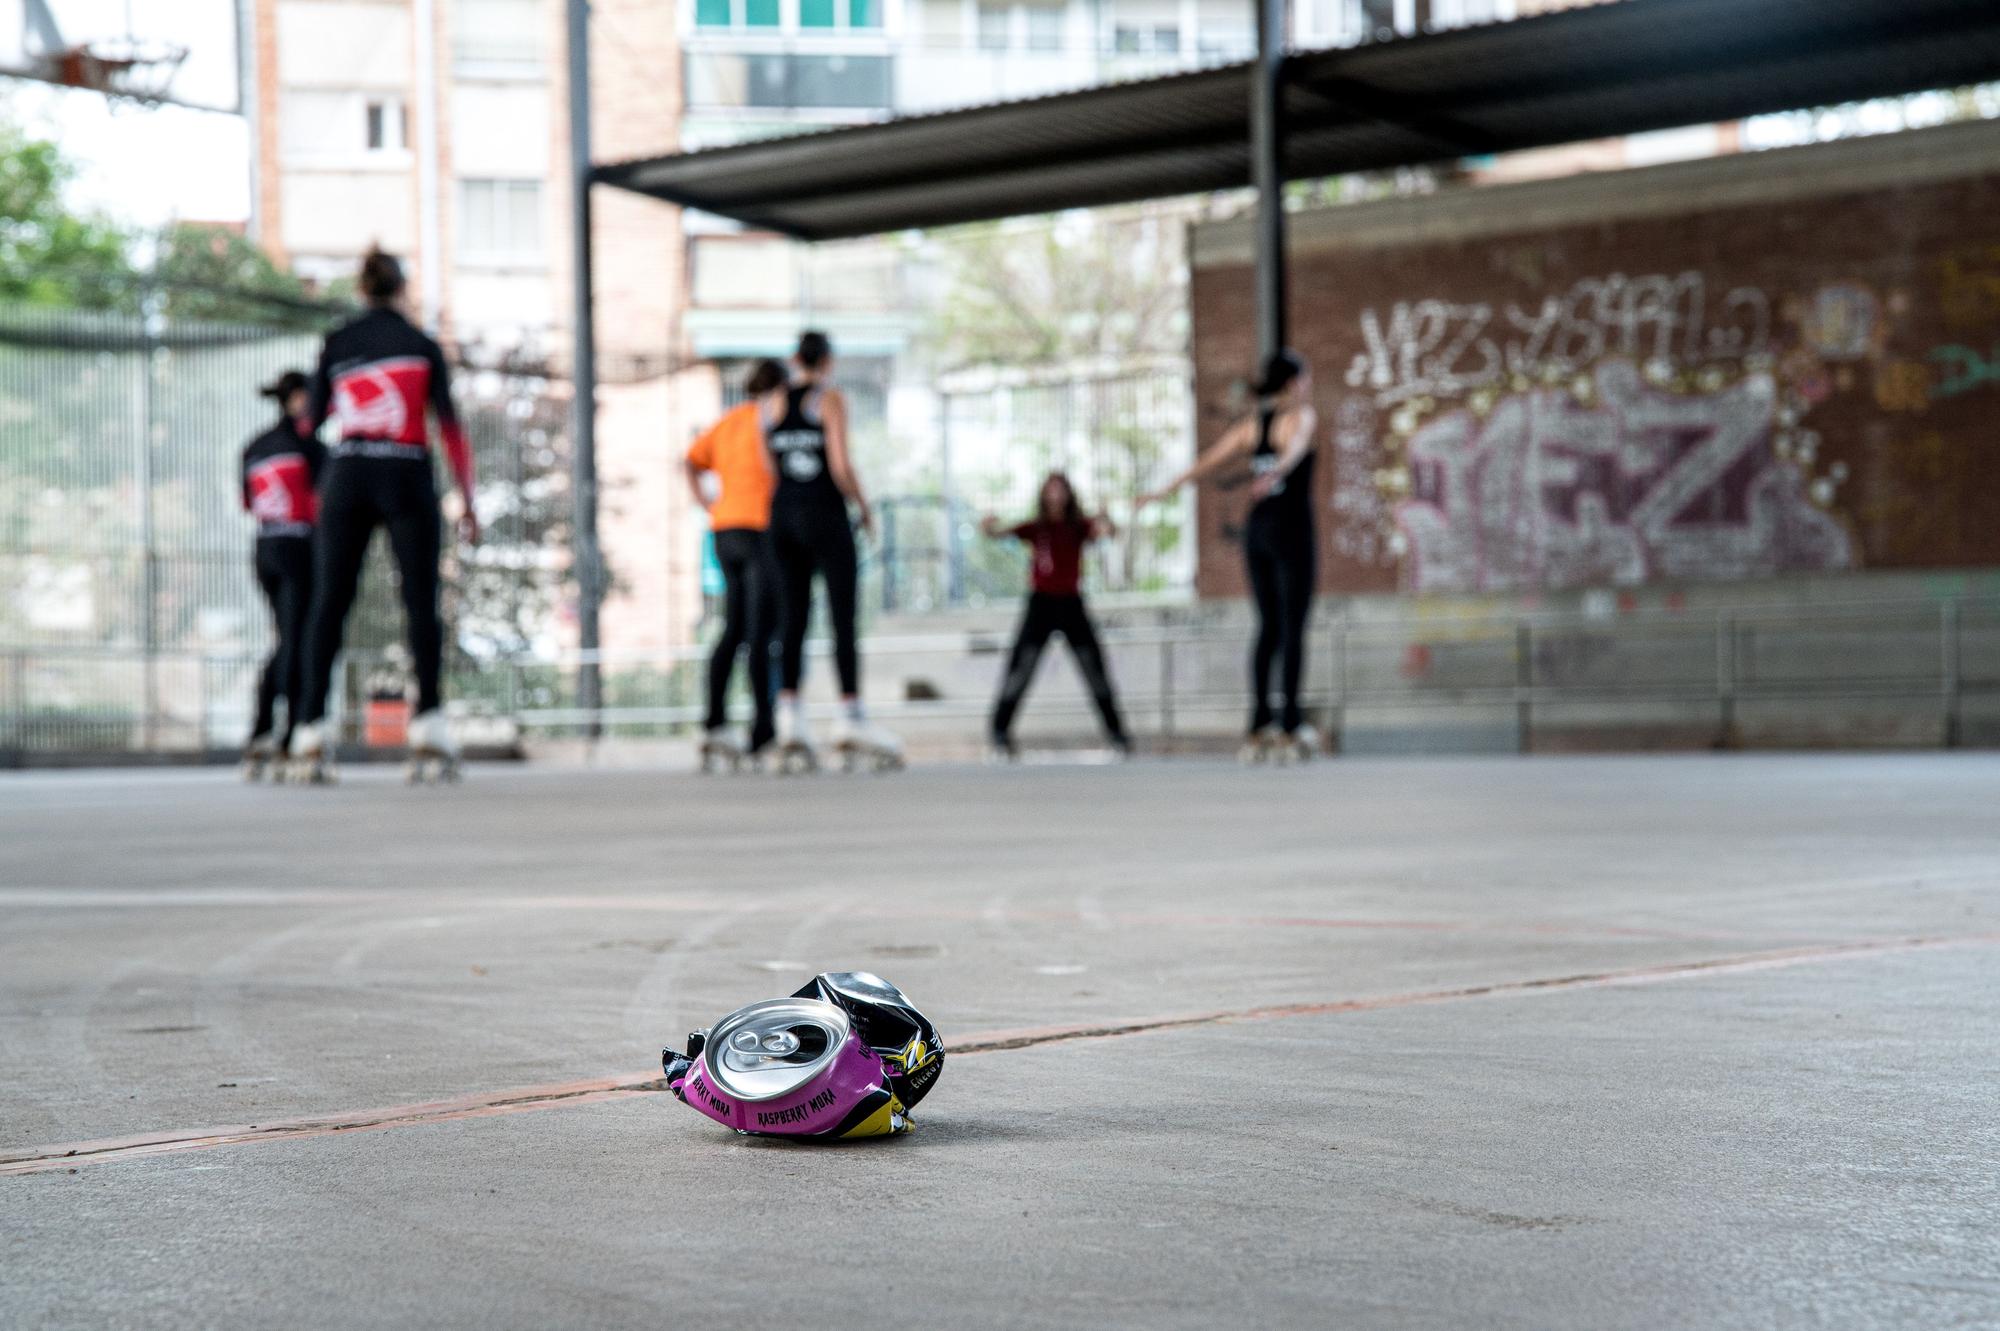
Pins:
x: 1283, y: 570
x: 358, y: 495
x: 284, y: 571
x: 750, y: 618
x: 808, y: 540
x: 1047, y: 615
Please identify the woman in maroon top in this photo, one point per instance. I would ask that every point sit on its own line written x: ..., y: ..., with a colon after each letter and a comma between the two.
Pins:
x: 1056, y: 538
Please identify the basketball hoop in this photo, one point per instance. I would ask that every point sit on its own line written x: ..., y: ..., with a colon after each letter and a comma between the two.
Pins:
x: 126, y: 72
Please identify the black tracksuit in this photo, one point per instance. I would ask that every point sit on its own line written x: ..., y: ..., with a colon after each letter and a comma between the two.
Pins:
x: 280, y: 472
x: 378, y: 375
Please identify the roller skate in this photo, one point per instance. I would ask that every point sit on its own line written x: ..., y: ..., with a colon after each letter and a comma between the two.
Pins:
x: 1001, y: 751
x: 1260, y: 746
x: 1298, y: 746
x: 309, y: 761
x: 864, y: 746
x: 433, y: 758
x: 795, y: 753
x: 261, y: 759
x: 721, y: 752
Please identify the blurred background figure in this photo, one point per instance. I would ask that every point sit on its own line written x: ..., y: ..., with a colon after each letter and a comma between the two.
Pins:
x: 281, y: 470
x: 1279, y: 545
x: 812, y: 535
x: 379, y: 375
x: 1056, y: 537
x: 729, y: 471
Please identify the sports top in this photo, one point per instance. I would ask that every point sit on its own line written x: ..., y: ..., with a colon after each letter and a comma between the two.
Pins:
x: 798, y: 444
x: 1055, y: 555
x: 280, y: 476
x: 1291, y: 501
x: 733, y: 448
x: 376, y: 376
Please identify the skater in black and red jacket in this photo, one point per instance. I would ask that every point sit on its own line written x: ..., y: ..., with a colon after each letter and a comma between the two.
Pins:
x: 1056, y: 538
x: 281, y: 471
x: 378, y: 376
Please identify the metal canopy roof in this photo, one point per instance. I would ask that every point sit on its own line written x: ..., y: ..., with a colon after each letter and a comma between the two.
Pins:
x: 1606, y: 70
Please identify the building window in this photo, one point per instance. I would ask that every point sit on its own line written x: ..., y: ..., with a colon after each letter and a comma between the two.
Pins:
x: 815, y: 13
x: 712, y: 13
x: 996, y: 22
x: 1160, y: 39
x: 385, y: 125
x: 760, y: 13
x: 864, y: 13
x: 1044, y: 27
x: 500, y: 219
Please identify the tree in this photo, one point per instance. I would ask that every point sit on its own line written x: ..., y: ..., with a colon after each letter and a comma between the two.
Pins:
x: 1082, y: 286
x: 48, y: 255
x: 214, y: 274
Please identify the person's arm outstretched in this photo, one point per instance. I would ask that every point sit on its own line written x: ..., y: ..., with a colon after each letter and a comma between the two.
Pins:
x: 1238, y: 440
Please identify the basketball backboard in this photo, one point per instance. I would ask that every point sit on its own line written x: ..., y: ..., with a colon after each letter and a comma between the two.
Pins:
x: 151, y: 51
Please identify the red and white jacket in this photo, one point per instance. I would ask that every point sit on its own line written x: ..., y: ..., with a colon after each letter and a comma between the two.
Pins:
x: 377, y: 376
x: 281, y: 479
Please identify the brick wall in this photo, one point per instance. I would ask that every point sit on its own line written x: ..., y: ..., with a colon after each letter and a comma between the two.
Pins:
x: 1776, y: 364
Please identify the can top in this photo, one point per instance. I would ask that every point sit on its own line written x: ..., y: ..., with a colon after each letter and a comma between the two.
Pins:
x: 774, y: 1047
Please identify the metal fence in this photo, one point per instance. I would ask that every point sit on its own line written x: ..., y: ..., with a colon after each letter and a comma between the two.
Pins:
x: 1896, y: 672
x: 1114, y: 433
x: 129, y: 615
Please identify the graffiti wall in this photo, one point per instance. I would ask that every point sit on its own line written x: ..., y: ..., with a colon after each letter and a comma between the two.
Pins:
x: 1800, y: 386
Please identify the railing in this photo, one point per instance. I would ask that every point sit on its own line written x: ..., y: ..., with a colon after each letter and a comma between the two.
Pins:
x: 1836, y: 666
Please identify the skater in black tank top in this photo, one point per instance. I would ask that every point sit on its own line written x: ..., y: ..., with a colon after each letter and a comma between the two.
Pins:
x: 805, y: 427
x: 1279, y: 544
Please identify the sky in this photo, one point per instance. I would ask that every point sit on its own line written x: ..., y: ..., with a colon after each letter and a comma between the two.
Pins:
x: 141, y: 166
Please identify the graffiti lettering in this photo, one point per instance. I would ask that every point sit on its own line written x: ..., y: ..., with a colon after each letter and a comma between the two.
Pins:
x: 1358, y: 507
x: 1964, y: 370
x: 1434, y: 348
x: 1545, y: 492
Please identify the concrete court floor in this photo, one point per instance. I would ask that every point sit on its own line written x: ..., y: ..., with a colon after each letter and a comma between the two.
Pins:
x: 1561, y: 1042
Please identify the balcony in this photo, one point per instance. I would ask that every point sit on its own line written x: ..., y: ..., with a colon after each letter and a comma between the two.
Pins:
x: 833, y: 84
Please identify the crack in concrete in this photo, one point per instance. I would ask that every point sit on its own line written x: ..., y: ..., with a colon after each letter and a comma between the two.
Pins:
x: 70, y: 1155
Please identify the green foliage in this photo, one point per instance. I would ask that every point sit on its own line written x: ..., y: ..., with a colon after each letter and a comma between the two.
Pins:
x: 1081, y: 286
x: 49, y: 256
x: 216, y: 275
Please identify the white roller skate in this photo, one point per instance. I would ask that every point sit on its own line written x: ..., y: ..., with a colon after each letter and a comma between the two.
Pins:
x: 433, y: 757
x: 1001, y: 751
x: 261, y: 758
x: 1260, y: 746
x: 720, y: 752
x: 1300, y: 746
x: 793, y: 748
x: 309, y: 761
x: 864, y: 746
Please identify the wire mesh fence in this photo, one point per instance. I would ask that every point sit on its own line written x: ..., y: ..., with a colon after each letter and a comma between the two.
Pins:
x: 131, y: 617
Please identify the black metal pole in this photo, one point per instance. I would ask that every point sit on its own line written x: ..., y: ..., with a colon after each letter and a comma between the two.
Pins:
x: 583, y: 371
x: 1267, y: 173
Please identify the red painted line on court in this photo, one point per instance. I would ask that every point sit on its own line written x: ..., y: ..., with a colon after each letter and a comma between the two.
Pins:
x: 526, y: 1099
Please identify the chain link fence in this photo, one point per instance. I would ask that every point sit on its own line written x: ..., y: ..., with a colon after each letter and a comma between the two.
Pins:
x: 130, y: 619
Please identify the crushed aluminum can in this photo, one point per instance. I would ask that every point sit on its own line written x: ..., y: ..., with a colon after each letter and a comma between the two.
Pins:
x: 844, y: 1057
x: 888, y: 1023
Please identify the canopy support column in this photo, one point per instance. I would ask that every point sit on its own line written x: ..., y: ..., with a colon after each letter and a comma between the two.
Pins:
x: 583, y: 372
x: 1267, y: 173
